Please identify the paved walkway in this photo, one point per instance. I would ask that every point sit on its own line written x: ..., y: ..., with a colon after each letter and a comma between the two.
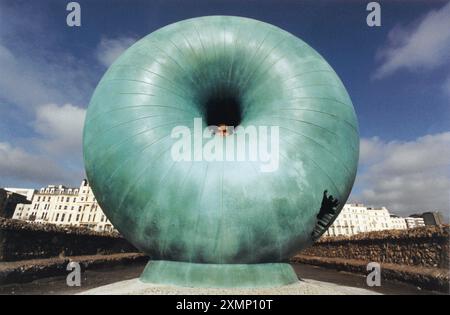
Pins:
x: 304, y: 287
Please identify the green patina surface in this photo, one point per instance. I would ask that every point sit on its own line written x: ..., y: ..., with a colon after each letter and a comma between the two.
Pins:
x: 218, y: 275
x: 220, y: 212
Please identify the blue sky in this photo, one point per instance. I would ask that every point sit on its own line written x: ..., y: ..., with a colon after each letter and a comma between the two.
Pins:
x: 398, y: 76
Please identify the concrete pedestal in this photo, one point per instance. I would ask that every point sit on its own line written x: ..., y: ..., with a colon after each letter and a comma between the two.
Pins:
x: 196, y: 275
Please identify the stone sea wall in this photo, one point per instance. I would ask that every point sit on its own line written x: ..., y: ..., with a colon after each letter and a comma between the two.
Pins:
x: 20, y: 240
x: 417, y: 256
x: 423, y: 246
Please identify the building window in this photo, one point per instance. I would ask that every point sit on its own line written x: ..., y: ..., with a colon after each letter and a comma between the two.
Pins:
x: 39, y: 198
x: 62, y: 217
x: 57, y: 217
x: 65, y: 207
x: 79, y: 208
x: 70, y: 218
x: 74, y: 199
x: 78, y: 217
x: 67, y: 199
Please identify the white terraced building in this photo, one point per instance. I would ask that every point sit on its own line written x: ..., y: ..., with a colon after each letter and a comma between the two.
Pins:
x: 357, y: 218
x: 61, y: 205
x: 413, y: 222
x: 398, y: 223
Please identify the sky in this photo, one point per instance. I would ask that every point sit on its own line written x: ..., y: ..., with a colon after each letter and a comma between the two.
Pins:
x: 398, y: 76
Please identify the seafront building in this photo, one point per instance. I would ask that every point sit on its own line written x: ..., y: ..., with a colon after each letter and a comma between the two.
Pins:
x: 27, y: 192
x: 9, y: 201
x: 356, y: 218
x: 413, y: 222
x: 61, y: 205
x: 431, y: 218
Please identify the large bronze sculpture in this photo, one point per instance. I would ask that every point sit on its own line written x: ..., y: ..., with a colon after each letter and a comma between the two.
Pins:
x: 220, y: 223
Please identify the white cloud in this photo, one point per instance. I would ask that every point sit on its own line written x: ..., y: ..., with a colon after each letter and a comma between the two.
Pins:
x: 28, y: 78
x: 35, y: 71
x: 17, y: 165
x: 407, y: 177
x: 423, y: 45
x: 369, y: 150
x: 19, y: 83
x: 34, y: 68
x: 55, y: 156
x: 37, y: 76
x: 61, y: 129
x: 110, y: 48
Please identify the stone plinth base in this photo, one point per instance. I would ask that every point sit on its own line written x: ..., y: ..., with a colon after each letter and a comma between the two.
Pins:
x: 186, y: 274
